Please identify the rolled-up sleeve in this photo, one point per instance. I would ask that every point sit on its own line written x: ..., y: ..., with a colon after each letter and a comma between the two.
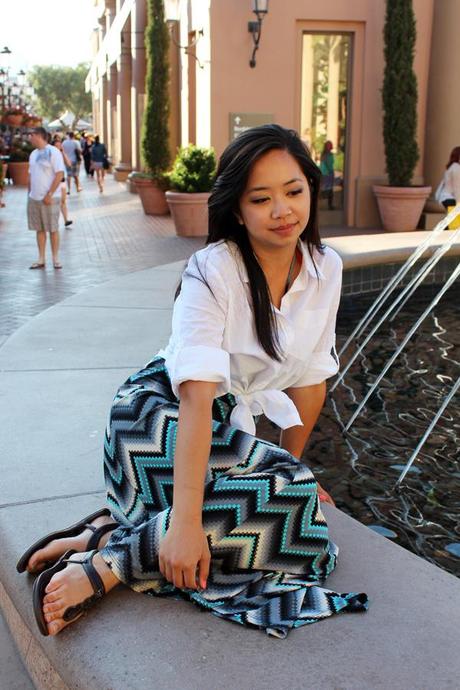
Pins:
x: 195, y: 352
x: 324, y: 362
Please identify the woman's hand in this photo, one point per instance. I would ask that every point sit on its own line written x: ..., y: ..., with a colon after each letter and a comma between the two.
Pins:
x: 323, y: 495
x: 184, y: 555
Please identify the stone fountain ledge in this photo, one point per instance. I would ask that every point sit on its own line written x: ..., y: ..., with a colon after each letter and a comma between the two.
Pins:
x: 58, y: 375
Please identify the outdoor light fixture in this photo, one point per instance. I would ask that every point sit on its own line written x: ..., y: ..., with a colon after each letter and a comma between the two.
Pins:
x: 5, y: 51
x: 172, y: 18
x: 260, y: 9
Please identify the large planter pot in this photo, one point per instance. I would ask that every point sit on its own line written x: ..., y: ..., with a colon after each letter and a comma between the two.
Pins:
x: 19, y: 173
x: 152, y: 197
x: 13, y: 120
x: 189, y: 212
x: 400, y: 207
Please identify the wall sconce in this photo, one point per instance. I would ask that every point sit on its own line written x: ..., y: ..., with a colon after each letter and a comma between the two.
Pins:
x: 260, y: 9
x: 172, y: 18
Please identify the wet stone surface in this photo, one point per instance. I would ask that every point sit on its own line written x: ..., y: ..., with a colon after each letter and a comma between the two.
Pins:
x: 360, y: 468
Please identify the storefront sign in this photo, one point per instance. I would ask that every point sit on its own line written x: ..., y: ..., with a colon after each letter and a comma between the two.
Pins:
x: 240, y: 122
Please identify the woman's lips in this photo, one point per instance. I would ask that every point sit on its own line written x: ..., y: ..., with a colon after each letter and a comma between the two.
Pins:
x: 284, y: 228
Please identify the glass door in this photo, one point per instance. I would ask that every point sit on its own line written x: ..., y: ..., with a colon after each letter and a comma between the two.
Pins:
x: 326, y: 64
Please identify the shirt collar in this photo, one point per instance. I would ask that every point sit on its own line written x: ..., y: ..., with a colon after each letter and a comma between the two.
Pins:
x: 300, y: 282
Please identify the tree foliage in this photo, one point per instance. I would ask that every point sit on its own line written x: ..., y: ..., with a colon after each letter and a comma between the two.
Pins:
x: 155, y: 125
x: 59, y: 88
x: 400, y: 93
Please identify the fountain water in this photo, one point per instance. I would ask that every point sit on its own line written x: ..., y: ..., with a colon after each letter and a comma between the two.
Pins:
x: 394, y: 309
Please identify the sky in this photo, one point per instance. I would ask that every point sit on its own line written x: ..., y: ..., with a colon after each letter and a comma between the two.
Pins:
x: 45, y: 32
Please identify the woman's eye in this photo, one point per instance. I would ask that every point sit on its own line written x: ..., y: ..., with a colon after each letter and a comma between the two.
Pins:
x: 259, y: 201
x: 294, y: 192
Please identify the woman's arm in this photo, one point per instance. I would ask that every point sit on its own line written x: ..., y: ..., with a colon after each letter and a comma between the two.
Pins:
x: 184, y: 549
x: 309, y: 401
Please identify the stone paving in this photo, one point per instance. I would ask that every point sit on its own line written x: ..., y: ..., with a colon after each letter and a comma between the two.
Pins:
x: 110, y: 236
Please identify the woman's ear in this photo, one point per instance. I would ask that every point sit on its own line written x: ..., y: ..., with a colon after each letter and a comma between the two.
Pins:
x: 238, y: 218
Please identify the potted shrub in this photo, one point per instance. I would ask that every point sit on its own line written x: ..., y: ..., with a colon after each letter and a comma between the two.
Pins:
x: 18, y: 163
x: 400, y: 204
x: 191, y: 180
x: 155, y: 131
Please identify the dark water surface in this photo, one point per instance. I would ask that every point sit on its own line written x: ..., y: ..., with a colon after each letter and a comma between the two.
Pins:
x: 360, y: 468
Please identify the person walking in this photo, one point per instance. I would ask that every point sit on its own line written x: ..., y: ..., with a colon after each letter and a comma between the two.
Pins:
x: 73, y: 152
x: 98, y: 158
x: 449, y: 190
x: 200, y: 506
x: 46, y: 171
x: 327, y: 171
x: 85, y: 144
x: 57, y: 142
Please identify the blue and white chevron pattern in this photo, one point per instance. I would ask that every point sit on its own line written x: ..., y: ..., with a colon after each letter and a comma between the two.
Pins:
x: 268, y: 537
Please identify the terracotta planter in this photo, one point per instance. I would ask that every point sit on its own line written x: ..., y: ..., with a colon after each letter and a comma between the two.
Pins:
x: 13, y: 120
x: 189, y: 212
x: 19, y: 173
x: 400, y: 207
x: 152, y: 197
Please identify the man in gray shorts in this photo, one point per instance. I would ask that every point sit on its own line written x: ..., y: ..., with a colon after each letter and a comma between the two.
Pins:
x: 46, y: 172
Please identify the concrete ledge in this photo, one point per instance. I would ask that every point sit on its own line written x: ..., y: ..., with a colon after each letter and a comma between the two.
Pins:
x: 57, y: 376
x: 385, y: 248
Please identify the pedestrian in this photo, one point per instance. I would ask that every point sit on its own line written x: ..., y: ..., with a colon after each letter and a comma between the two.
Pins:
x: 57, y: 142
x: 200, y: 506
x: 448, y: 192
x: 327, y: 170
x: 85, y: 143
x: 46, y: 171
x: 73, y: 152
x: 98, y: 160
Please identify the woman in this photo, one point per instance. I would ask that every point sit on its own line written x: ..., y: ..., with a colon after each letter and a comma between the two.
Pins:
x: 57, y: 142
x: 202, y: 507
x: 450, y: 194
x: 98, y: 155
x: 327, y: 171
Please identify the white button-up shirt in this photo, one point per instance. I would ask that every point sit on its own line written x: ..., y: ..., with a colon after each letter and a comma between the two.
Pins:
x: 214, y: 337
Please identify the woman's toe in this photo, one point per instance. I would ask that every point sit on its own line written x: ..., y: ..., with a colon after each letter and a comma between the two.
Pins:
x: 49, y: 598
x: 55, y: 606
x: 56, y: 626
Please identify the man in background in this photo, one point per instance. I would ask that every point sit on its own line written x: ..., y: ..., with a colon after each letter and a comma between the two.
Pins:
x: 73, y: 152
x: 46, y: 171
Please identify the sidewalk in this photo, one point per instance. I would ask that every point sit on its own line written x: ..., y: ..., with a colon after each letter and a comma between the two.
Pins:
x: 110, y: 236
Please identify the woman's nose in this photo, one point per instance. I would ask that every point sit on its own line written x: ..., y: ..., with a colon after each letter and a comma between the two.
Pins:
x: 280, y: 209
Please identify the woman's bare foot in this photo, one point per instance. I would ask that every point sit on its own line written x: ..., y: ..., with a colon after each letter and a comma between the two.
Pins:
x: 70, y: 587
x: 56, y: 548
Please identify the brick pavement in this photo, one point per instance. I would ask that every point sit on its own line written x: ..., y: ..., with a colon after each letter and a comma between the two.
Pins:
x: 110, y: 236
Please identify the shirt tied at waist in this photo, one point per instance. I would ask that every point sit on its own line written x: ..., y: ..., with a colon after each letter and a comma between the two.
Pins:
x: 275, y: 405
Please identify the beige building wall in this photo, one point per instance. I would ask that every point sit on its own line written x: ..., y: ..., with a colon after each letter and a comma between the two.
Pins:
x: 212, y: 78
x: 274, y: 85
x: 443, y: 113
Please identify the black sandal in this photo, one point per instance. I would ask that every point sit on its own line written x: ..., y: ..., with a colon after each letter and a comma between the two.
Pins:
x: 72, y: 612
x: 72, y: 531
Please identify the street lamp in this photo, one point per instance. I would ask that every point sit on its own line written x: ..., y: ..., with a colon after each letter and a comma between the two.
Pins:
x: 260, y: 9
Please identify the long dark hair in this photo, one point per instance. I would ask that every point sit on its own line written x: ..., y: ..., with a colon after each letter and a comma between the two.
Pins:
x: 454, y: 156
x: 231, y: 180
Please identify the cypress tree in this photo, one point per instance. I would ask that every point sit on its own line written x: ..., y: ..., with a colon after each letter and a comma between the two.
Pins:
x: 155, y: 128
x: 400, y: 93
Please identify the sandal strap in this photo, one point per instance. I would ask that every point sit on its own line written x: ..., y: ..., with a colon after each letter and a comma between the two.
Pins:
x: 88, y: 525
x: 98, y: 532
x: 96, y: 583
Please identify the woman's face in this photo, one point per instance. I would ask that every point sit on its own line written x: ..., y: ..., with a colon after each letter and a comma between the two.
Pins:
x: 275, y: 206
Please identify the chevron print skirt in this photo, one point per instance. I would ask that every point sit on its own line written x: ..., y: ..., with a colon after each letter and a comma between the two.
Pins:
x: 268, y: 538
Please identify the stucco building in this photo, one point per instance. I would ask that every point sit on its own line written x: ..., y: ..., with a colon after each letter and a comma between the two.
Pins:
x: 319, y: 69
